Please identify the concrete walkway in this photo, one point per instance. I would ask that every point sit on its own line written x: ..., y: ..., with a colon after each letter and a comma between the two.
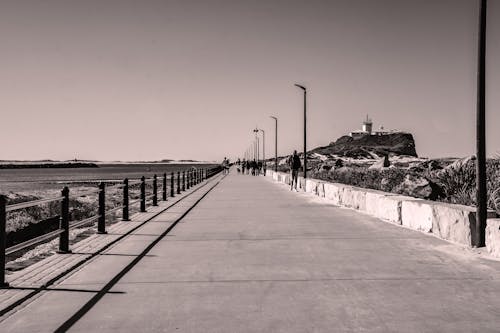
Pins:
x: 252, y: 256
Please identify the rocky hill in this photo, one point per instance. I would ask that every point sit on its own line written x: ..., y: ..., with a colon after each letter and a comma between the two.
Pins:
x: 371, y: 146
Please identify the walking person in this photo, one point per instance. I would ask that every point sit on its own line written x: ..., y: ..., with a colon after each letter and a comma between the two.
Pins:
x: 295, y: 165
x: 225, y: 166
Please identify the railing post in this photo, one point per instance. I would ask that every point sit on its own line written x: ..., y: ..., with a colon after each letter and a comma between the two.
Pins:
x: 164, y: 186
x: 3, y: 240
x: 155, y: 190
x: 188, y: 176
x: 64, y: 222
x: 191, y: 174
x: 172, y: 179
x: 101, y: 222
x: 125, y: 216
x: 143, y: 194
x: 184, y: 180
x: 178, y: 182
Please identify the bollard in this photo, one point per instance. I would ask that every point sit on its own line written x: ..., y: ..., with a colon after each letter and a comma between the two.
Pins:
x: 155, y: 190
x: 164, y: 186
x: 64, y: 222
x: 178, y: 182
x: 188, y: 179
x: 101, y: 222
x: 125, y: 201
x: 183, y: 180
x: 143, y: 194
x: 172, y: 185
x: 3, y: 240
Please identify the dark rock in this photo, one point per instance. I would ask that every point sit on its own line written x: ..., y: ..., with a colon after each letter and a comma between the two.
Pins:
x: 419, y: 187
x: 380, y: 164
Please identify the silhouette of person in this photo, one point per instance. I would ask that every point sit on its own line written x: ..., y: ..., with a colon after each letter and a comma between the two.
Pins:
x: 295, y: 165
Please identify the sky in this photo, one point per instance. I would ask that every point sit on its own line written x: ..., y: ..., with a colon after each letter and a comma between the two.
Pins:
x: 151, y: 80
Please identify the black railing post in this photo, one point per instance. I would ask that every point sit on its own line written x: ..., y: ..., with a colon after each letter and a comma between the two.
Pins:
x: 164, y: 186
x: 3, y: 240
x: 125, y: 216
x: 143, y: 194
x: 191, y: 178
x: 184, y: 180
x: 155, y: 190
x: 101, y: 222
x: 188, y: 179
x: 172, y: 186
x: 64, y: 224
x: 178, y: 182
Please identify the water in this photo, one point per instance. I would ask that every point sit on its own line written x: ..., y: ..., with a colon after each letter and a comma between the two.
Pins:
x: 36, y: 179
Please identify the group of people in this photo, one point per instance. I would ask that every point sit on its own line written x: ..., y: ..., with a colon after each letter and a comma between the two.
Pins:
x: 254, y: 167
x: 249, y: 167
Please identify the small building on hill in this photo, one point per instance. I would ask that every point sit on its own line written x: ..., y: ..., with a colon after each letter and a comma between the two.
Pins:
x: 367, y: 129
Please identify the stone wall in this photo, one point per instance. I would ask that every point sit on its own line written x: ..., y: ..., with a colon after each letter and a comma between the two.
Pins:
x: 447, y: 221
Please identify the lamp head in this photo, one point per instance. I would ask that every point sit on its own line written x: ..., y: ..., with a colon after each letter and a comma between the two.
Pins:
x: 301, y: 87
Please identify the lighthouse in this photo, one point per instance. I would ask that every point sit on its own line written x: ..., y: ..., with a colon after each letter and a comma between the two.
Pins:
x: 367, y: 125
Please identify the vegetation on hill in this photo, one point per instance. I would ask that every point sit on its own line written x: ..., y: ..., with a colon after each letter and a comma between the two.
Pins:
x: 370, y: 146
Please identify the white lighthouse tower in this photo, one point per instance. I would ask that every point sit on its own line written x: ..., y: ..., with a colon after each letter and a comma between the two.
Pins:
x: 367, y: 125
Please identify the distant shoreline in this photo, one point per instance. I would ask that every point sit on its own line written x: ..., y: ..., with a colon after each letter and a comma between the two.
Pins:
x: 48, y: 165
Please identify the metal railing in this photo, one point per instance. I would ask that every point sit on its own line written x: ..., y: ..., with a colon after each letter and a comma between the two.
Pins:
x: 182, y: 182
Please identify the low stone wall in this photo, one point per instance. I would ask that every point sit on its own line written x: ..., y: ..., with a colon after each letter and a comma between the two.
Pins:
x: 447, y: 221
x: 493, y: 237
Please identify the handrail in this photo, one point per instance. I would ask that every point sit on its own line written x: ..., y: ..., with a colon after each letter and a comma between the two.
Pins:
x: 89, y: 191
x: 187, y: 178
x: 134, y: 201
x: 33, y: 241
x: 84, y: 221
x: 32, y: 203
x: 115, y: 186
x: 112, y: 210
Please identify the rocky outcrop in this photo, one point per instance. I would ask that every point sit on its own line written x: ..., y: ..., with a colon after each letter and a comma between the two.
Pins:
x: 380, y: 164
x: 371, y: 146
x: 419, y: 187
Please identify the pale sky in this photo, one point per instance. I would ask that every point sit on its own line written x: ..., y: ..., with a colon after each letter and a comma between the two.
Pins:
x: 151, y: 79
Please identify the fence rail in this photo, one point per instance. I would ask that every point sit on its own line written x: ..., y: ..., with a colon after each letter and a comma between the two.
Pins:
x: 179, y: 181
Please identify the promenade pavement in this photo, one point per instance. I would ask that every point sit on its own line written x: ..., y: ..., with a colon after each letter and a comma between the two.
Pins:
x: 252, y: 256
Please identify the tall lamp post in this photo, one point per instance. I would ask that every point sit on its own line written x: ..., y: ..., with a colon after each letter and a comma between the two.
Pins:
x: 481, y: 195
x: 305, y: 129
x: 275, y: 143
x: 256, y: 130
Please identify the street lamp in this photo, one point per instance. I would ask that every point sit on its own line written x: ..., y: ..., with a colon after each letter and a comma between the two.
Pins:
x: 305, y: 129
x: 256, y: 130
x: 481, y: 194
x: 275, y: 143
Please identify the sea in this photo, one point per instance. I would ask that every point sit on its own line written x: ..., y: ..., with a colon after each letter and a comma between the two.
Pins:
x: 39, y: 179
